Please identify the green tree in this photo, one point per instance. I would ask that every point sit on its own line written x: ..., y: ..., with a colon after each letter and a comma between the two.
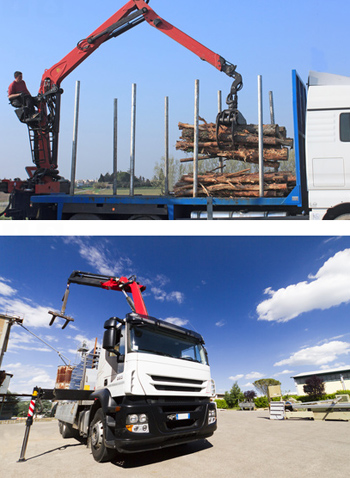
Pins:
x: 234, y: 396
x: 42, y: 408
x: 262, y: 384
x: 159, y: 173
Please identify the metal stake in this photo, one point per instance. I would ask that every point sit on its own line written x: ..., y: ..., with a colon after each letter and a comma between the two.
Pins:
x: 261, y: 145
x: 75, y: 137
x: 132, y: 140
x: 166, y: 139
x: 115, y: 144
x: 221, y: 161
x: 196, y: 131
x: 272, y: 109
x: 219, y: 101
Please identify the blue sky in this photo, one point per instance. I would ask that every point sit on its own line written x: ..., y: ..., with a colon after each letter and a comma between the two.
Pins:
x: 268, y: 38
x: 267, y: 306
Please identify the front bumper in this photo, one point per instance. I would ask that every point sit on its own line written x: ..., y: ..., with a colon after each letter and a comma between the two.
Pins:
x: 164, y: 429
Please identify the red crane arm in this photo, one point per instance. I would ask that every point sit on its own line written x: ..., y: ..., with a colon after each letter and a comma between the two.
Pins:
x: 121, y: 284
x: 131, y: 14
x: 44, y: 130
x: 165, y: 27
x: 64, y: 67
x: 124, y: 284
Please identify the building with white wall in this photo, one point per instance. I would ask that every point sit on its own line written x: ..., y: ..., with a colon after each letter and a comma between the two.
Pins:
x: 334, y: 379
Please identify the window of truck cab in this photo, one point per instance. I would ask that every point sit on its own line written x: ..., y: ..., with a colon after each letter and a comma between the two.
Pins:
x: 344, y: 127
x: 154, y: 340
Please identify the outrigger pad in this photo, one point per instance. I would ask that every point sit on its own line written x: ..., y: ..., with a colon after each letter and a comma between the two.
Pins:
x: 58, y: 314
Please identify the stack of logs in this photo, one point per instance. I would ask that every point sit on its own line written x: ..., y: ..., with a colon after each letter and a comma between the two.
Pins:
x: 243, y: 147
x: 241, y: 184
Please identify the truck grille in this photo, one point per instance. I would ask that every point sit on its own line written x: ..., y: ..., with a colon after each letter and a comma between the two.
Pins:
x: 168, y: 410
x: 175, y: 384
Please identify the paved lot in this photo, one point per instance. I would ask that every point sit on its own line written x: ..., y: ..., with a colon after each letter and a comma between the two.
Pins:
x: 246, y: 444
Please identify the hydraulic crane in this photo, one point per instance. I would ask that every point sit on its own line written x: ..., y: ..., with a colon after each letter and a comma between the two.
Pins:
x: 44, y: 129
x: 120, y: 284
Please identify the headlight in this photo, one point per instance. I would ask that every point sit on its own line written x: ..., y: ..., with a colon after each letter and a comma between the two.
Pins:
x: 143, y: 418
x: 137, y: 423
x: 132, y: 419
x: 212, y: 416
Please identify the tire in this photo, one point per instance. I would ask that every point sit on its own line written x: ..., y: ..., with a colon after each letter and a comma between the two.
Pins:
x: 141, y: 217
x: 97, y: 437
x: 343, y: 217
x: 338, y: 213
x: 85, y: 217
x: 67, y: 430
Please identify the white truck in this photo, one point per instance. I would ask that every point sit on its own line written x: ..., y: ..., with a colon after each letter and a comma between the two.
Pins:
x: 153, y: 387
x: 327, y: 145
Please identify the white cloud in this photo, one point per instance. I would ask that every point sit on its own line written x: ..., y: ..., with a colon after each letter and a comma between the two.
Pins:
x: 318, y: 355
x: 236, y: 377
x: 26, y: 377
x: 34, y: 315
x: 221, y: 323
x: 176, y: 321
x: 329, y: 287
x: 104, y: 262
x: 248, y: 376
x: 284, y: 372
x: 6, y: 289
x: 161, y: 279
x: 254, y: 375
x: 90, y: 343
x: 162, y: 295
x: 100, y: 258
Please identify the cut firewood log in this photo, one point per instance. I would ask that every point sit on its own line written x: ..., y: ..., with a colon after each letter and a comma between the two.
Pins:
x: 239, y: 184
x: 242, y: 147
x: 268, y: 129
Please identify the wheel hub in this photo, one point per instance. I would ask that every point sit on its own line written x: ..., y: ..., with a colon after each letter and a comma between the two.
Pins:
x: 97, y: 435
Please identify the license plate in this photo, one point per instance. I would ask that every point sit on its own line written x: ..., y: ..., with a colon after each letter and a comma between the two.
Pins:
x: 182, y: 416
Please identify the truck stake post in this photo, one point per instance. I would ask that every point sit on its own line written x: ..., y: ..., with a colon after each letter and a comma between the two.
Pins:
x: 29, y: 423
x: 38, y: 394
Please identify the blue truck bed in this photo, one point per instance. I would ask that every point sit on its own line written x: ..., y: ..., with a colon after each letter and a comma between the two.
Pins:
x: 170, y: 207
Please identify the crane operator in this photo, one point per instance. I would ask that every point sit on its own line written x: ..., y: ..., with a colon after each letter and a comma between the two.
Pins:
x: 19, y: 95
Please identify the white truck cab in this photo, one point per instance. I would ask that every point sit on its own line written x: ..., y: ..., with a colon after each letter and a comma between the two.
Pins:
x: 328, y: 146
x: 153, y: 389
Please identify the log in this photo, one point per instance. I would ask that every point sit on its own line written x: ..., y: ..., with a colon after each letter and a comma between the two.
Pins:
x: 244, y: 146
x: 239, y: 184
x: 268, y: 129
x: 240, y: 137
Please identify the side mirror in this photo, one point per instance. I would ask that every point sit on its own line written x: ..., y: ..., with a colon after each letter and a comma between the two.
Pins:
x: 112, y: 335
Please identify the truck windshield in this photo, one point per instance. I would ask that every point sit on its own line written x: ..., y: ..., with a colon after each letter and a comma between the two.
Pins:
x: 152, y: 340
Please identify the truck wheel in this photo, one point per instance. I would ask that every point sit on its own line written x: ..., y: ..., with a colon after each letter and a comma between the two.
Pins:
x: 141, y: 217
x: 85, y: 217
x: 343, y: 217
x: 99, y: 450
x: 341, y: 212
x: 67, y: 430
